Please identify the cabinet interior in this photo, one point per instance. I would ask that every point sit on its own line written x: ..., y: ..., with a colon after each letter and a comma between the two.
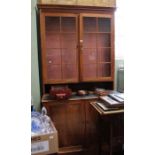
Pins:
x: 89, y: 86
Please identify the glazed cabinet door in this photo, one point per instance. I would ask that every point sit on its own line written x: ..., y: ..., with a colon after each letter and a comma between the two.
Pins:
x: 96, y: 47
x: 59, y: 41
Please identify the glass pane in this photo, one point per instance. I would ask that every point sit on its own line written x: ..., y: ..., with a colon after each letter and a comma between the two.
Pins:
x: 104, y: 70
x: 103, y: 40
x: 68, y: 40
x: 69, y: 71
x: 53, y: 56
x: 52, y: 40
x: 89, y: 56
x: 104, y: 25
x: 68, y: 24
x: 104, y: 54
x: 52, y: 24
x: 89, y: 71
x: 54, y: 72
x: 69, y: 56
x: 89, y: 24
x: 89, y: 41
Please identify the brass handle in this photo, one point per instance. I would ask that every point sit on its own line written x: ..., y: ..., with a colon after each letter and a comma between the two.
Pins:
x: 81, y: 45
x: 81, y: 48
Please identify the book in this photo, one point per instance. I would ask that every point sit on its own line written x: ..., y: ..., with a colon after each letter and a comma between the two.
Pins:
x: 109, y: 102
x: 116, y: 97
x: 105, y: 108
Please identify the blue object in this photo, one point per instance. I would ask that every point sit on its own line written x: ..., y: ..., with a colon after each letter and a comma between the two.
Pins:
x: 36, y: 122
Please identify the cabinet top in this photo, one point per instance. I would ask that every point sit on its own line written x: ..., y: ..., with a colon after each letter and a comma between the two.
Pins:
x: 80, y: 3
x: 47, y: 98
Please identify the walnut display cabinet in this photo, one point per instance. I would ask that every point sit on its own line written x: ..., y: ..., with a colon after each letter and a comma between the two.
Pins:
x: 77, y: 44
x: 76, y: 49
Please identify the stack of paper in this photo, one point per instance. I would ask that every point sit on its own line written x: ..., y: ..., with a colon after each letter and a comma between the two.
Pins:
x: 112, y: 101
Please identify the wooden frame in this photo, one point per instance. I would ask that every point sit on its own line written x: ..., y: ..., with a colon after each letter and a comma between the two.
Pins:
x: 43, y: 48
x: 110, y: 16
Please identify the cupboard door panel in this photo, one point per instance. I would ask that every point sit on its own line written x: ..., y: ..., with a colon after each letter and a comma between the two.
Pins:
x: 69, y: 71
x: 104, y: 24
x: 89, y: 24
x: 68, y: 24
x: 96, y: 48
x: 60, y: 48
x: 103, y: 40
x: 89, y: 41
x: 52, y: 24
x: 53, y: 40
x: 89, y: 71
x: 68, y: 118
x: 59, y: 117
x: 69, y: 56
x: 104, y: 54
x: 54, y: 72
x: 89, y: 56
x: 104, y: 70
x: 68, y: 40
x: 53, y: 56
x: 75, y: 123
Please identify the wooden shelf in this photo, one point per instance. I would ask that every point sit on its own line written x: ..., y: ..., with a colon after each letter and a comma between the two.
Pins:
x: 101, y: 62
x: 60, y: 32
x: 71, y: 149
x: 47, y: 97
x: 97, y: 32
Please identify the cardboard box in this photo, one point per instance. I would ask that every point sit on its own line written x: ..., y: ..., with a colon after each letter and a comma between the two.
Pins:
x: 45, y: 144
